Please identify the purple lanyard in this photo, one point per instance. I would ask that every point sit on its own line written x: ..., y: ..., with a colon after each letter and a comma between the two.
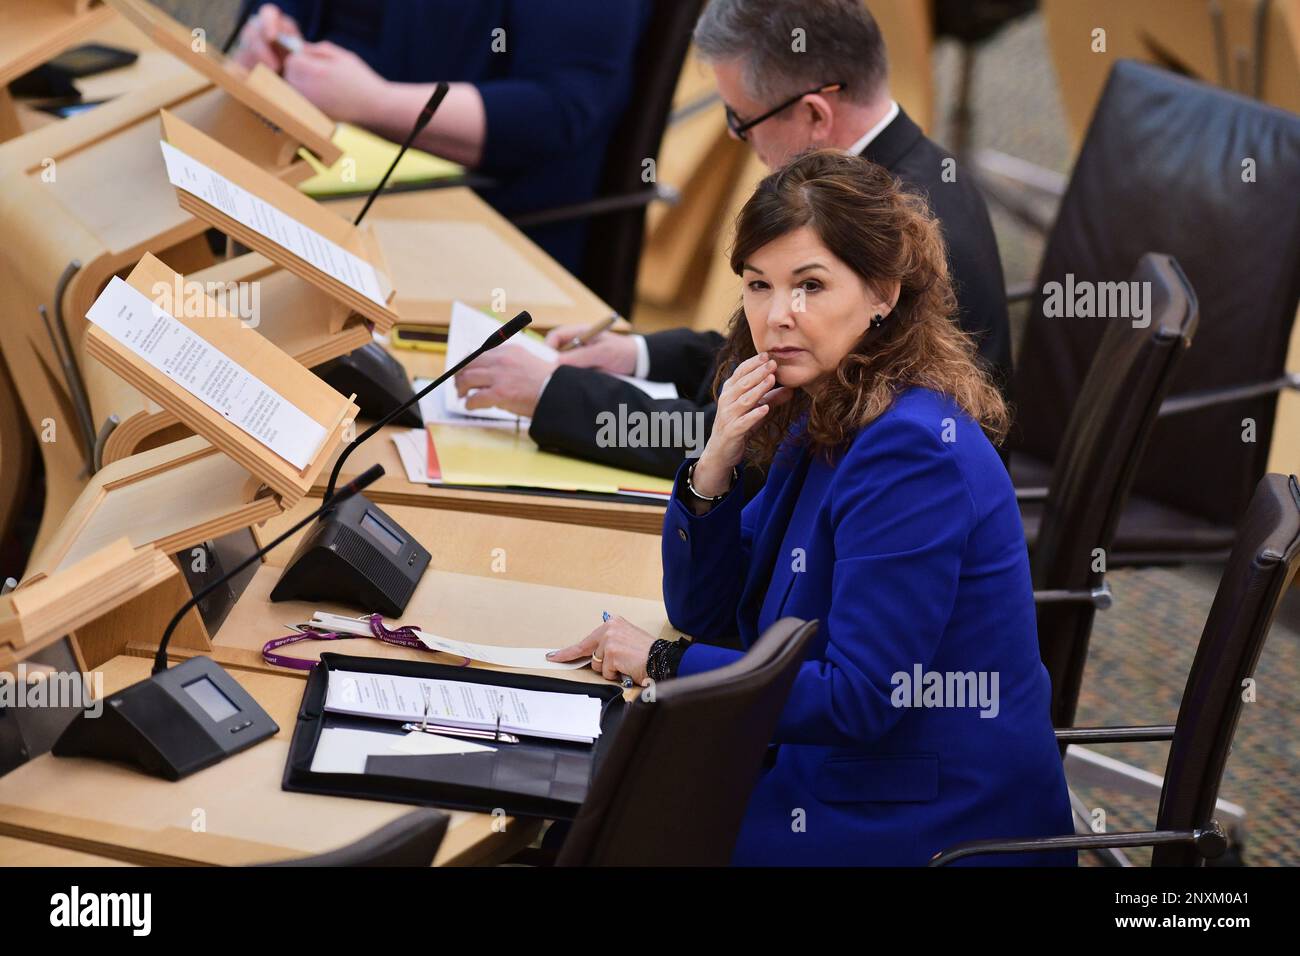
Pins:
x: 402, y: 636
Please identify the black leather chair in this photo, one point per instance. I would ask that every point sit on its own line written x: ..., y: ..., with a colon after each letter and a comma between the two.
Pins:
x: 1162, y: 168
x: 617, y: 214
x: 1263, y: 562
x: 1075, y: 522
x: 410, y: 840
x: 673, y: 788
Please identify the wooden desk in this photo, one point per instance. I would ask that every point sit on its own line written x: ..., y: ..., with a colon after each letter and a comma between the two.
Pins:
x: 231, y: 814
x: 551, y: 592
x: 15, y: 852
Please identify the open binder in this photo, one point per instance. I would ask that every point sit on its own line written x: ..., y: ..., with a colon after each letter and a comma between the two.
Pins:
x: 536, y: 777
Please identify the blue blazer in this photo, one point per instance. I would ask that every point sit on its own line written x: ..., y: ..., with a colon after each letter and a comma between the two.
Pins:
x: 910, y: 552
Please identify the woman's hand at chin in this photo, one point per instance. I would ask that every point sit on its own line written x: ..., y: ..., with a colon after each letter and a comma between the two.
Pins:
x: 743, y: 403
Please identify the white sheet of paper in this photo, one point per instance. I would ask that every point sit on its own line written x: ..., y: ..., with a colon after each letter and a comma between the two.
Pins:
x: 418, y: 742
x: 414, y: 456
x: 345, y: 749
x: 532, y: 713
x: 187, y: 173
x: 530, y: 658
x: 466, y: 332
x: 207, y: 373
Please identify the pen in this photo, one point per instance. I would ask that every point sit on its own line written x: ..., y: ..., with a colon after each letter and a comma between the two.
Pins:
x: 623, y: 679
x: 582, y: 338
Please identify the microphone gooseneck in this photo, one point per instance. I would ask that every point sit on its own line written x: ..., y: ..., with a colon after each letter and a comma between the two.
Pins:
x: 426, y: 114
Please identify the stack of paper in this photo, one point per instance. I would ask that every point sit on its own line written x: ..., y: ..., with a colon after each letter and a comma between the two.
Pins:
x: 469, y: 327
x: 530, y: 713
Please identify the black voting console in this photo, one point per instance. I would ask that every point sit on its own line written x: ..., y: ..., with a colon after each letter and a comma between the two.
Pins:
x: 376, y: 379
x: 182, y: 719
x: 358, y: 554
x: 179, y: 722
x: 535, y: 778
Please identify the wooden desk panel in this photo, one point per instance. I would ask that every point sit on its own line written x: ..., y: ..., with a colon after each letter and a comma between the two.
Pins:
x: 14, y: 852
x: 231, y: 814
x: 551, y: 592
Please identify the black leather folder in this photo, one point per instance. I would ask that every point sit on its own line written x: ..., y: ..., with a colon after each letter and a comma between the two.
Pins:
x: 534, y: 778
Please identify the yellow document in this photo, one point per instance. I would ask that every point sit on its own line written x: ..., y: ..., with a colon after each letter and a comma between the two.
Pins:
x: 501, y: 457
x: 365, y: 159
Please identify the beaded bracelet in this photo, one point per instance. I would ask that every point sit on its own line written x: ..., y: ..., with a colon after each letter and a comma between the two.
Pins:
x: 664, y: 658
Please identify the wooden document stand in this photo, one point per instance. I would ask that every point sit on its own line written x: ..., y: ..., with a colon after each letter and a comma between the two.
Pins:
x: 219, y: 481
x: 109, y: 598
x: 304, y: 312
x: 302, y: 209
x: 261, y: 90
x: 33, y: 32
x: 85, y: 198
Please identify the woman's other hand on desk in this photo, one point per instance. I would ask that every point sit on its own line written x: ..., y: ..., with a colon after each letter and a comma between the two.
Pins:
x: 609, y: 352
x: 509, y: 378
x: 257, y: 38
x: 616, y: 648
x: 743, y: 403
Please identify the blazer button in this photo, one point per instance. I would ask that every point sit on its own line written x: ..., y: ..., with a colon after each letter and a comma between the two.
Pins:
x: 681, y: 533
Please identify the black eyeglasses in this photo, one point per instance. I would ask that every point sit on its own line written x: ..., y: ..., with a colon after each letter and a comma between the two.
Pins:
x: 742, y: 129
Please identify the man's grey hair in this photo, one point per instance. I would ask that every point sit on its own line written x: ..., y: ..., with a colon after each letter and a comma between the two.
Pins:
x: 789, y: 46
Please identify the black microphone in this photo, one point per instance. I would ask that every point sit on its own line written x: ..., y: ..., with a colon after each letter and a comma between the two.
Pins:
x: 356, y: 554
x: 426, y: 114
x: 498, y: 337
x: 363, y: 480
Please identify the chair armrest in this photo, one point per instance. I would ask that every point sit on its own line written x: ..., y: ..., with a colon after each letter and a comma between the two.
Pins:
x: 1101, y: 597
x: 1031, y: 494
x: 1114, y: 735
x: 1210, y: 842
x: 601, y: 206
x: 1194, y: 401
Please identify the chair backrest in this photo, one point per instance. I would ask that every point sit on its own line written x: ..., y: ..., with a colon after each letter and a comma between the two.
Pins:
x: 673, y: 788
x: 1264, y: 560
x: 410, y: 840
x: 613, y: 250
x: 1208, y: 177
x: 1103, y: 442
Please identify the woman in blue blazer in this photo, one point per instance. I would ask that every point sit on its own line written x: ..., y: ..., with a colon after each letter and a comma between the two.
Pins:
x: 920, y: 717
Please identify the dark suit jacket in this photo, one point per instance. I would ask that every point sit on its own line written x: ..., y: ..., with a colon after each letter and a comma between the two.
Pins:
x: 566, y: 415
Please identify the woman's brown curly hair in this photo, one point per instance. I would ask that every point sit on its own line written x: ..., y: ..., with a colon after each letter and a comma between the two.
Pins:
x: 884, y: 234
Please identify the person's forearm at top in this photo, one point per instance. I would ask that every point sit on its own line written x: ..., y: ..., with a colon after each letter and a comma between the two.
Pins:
x: 456, y: 132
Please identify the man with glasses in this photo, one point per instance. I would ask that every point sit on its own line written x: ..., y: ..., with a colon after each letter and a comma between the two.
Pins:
x: 794, y: 75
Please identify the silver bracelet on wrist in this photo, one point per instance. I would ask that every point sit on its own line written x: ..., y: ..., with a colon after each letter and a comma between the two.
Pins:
x: 690, y: 485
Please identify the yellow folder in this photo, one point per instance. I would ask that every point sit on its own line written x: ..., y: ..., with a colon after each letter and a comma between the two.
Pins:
x: 365, y: 159
x: 500, y: 457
